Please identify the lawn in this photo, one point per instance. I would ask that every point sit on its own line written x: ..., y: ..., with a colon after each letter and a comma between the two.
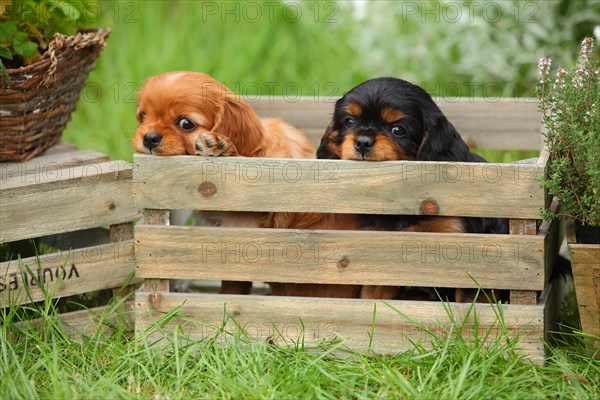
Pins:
x: 312, y: 49
x: 43, y: 362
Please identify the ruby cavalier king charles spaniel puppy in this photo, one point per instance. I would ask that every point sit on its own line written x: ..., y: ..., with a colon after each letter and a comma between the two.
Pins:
x: 190, y: 113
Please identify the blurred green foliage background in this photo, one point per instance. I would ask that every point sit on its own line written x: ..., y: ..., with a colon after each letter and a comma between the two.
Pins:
x: 322, y: 48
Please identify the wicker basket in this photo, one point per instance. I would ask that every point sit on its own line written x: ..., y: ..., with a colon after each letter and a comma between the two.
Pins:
x: 37, y: 102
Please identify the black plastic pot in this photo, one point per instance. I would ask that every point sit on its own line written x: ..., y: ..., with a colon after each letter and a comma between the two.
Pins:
x: 587, y: 234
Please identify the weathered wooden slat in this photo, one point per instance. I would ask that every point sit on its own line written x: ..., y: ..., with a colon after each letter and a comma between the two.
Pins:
x: 86, y: 322
x: 503, y: 124
x: 60, y: 147
x: 552, y: 308
x: 586, y: 276
x: 155, y: 217
x: 552, y: 241
x: 340, y: 257
x: 119, y: 233
x: 66, y: 200
x: 523, y: 227
x: 66, y: 273
x: 289, y: 319
x: 392, y: 187
x: 47, y: 164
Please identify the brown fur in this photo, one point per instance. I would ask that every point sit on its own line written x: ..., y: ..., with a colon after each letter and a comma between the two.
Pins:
x: 390, y: 115
x: 212, y: 107
x: 354, y: 109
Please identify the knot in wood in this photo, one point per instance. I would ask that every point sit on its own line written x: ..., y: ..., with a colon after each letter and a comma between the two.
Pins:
x: 207, y: 189
x: 155, y: 300
x: 430, y: 207
x: 343, y: 263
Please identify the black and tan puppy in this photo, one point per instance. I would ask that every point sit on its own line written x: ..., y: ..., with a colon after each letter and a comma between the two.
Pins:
x: 392, y: 119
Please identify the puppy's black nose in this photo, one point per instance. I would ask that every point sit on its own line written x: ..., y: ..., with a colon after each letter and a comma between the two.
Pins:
x: 152, y: 140
x: 364, y: 144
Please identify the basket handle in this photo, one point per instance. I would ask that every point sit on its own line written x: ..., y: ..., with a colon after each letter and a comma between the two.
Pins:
x: 78, y: 41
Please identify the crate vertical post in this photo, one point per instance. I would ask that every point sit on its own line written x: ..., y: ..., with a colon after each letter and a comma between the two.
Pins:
x: 523, y: 227
x: 156, y: 217
x: 121, y: 233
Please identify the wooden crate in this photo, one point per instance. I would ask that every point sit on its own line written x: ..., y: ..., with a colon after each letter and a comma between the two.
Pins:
x: 520, y: 262
x: 80, y: 203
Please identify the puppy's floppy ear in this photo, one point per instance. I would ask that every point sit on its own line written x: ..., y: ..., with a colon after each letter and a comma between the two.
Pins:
x: 441, y: 141
x: 328, y: 149
x: 241, y: 124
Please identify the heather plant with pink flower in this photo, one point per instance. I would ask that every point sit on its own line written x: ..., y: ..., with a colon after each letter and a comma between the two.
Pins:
x: 569, y: 102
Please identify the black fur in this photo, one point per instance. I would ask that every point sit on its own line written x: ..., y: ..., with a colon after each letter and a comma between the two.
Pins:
x: 429, y: 136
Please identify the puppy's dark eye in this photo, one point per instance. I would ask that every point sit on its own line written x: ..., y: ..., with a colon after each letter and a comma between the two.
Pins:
x: 398, y: 130
x: 141, y: 117
x: 186, y: 124
x: 349, y: 121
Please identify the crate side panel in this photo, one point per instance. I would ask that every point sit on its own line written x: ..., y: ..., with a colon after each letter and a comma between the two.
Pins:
x: 48, y: 163
x: 66, y: 200
x: 392, y: 187
x: 66, y: 273
x: 290, y: 319
x: 511, y: 124
x: 78, y: 324
x: 340, y: 257
x: 586, y: 276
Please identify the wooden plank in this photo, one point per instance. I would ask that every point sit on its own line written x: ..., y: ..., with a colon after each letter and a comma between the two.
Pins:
x: 550, y: 230
x: 67, y: 200
x: 46, y: 165
x: 120, y: 233
x: 551, y: 311
x: 154, y: 217
x: 483, y: 123
x: 586, y: 277
x: 60, y: 147
x: 391, y: 187
x: 284, y: 320
x: 523, y: 227
x: 502, y: 124
x: 66, y: 273
x: 371, y: 258
x: 526, y: 297
x: 78, y: 324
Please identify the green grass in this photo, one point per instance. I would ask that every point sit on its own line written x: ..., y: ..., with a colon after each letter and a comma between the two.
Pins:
x: 43, y: 362
x: 321, y: 49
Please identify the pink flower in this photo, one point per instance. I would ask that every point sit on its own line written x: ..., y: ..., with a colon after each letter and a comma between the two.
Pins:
x: 587, y: 46
x: 544, y: 68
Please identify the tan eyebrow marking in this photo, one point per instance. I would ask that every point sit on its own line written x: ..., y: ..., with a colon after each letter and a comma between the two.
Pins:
x: 390, y: 115
x: 354, y: 109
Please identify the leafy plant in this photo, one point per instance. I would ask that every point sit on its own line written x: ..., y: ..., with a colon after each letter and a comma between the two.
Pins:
x: 27, y: 27
x: 572, y: 120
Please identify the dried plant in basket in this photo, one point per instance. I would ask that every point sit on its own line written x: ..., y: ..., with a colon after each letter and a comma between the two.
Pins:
x: 43, y: 72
